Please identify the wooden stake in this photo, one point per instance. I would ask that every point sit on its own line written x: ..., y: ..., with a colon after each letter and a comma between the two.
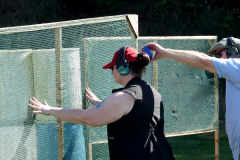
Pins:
x: 155, y: 71
x: 59, y: 91
x: 216, y: 110
x: 216, y: 145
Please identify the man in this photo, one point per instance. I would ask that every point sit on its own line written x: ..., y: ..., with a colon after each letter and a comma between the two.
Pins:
x: 225, y: 65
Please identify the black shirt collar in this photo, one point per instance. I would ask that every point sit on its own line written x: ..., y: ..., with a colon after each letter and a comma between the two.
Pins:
x: 132, y: 81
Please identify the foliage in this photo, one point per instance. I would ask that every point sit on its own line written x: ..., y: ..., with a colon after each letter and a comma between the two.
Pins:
x: 23, y: 12
x: 156, y: 18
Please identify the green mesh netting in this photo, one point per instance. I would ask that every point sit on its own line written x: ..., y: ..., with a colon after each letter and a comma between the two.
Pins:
x: 101, y: 85
x: 188, y: 93
x: 31, y: 66
x: 56, y: 62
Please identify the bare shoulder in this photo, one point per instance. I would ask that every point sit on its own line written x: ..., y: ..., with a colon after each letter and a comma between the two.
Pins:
x: 122, y: 99
x: 122, y: 96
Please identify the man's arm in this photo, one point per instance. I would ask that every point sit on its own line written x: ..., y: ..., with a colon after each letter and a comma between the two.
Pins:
x: 190, y: 58
x: 105, y: 112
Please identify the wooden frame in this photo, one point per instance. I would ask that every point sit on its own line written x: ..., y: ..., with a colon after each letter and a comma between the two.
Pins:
x: 133, y: 24
x: 211, y: 40
x: 90, y: 147
x: 18, y: 29
x: 59, y: 90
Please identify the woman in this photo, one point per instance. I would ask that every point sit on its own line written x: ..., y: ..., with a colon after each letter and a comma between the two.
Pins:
x: 133, y: 114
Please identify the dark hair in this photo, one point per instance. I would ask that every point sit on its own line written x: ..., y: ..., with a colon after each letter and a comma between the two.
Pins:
x: 138, y: 68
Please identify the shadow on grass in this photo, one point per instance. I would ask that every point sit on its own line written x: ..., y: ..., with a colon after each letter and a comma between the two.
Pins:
x: 201, y: 146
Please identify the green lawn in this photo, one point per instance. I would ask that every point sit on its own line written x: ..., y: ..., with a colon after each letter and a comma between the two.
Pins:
x: 200, y: 146
x: 191, y: 147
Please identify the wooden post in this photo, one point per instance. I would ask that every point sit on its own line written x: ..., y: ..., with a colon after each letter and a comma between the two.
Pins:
x: 85, y: 51
x: 59, y: 91
x: 155, y: 71
x: 85, y: 102
x: 216, y: 115
x: 217, y: 144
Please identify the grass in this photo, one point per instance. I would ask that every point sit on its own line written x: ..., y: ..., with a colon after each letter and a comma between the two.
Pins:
x: 201, y: 146
x: 191, y: 147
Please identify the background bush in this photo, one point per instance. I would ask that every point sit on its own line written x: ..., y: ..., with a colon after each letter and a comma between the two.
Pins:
x: 156, y: 18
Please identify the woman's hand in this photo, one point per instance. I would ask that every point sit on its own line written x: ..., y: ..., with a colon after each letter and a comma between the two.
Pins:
x: 157, y: 48
x: 41, y: 108
x: 91, y: 97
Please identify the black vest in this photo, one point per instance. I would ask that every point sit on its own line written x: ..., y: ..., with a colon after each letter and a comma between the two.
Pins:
x: 139, y: 134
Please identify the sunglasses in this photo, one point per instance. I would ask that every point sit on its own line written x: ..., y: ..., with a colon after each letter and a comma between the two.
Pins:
x: 219, y: 53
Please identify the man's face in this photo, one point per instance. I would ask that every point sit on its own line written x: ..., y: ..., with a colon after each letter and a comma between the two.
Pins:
x: 222, y: 54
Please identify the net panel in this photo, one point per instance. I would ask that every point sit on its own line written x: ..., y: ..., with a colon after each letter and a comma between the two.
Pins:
x: 16, y: 121
x: 188, y: 93
x: 56, y: 62
x: 103, y: 85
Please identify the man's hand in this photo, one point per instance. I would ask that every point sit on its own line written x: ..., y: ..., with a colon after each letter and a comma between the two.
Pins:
x: 41, y: 108
x: 91, y: 97
x: 157, y: 48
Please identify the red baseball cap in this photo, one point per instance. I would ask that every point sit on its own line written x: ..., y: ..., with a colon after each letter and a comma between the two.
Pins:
x: 219, y: 49
x: 130, y: 55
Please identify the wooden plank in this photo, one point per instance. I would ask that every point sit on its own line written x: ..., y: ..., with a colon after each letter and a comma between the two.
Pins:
x: 90, y: 147
x: 10, y: 30
x: 133, y: 20
x: 133, y: 25
x: 187, y: 133
x: 177, y: 37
